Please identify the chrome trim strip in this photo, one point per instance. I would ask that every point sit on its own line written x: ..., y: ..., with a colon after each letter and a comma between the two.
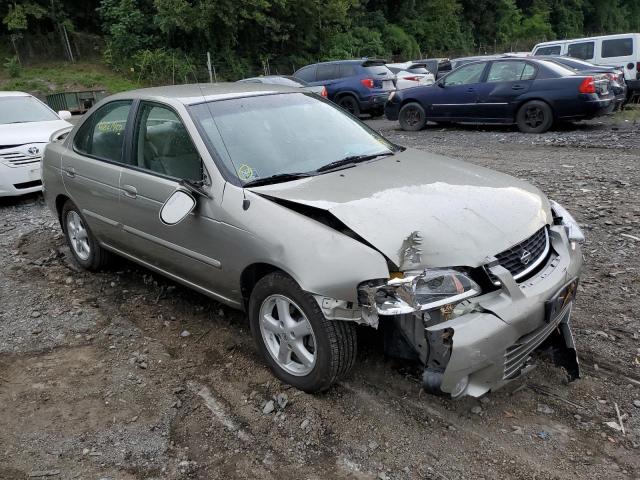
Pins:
x: 176, y: 278
x: 106, y: 220
x: 537, y: 262
x: 172, y: 246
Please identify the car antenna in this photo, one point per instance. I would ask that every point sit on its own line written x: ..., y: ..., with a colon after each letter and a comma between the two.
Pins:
x: 246, y: 203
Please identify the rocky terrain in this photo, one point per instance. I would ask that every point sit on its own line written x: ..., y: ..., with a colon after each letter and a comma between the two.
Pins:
x: 125, y: 375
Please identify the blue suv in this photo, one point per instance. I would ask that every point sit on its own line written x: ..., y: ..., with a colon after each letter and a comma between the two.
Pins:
x: 358, y: 86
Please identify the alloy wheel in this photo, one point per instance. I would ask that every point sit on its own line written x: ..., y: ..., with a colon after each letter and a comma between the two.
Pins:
x: 78, y: 236
x: 534, y: 116
x: 288, y: 335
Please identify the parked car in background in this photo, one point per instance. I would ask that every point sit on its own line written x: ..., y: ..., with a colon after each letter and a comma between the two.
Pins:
x: 26, y: 125
x: 614, y: 50
x: 411, y: 74
x: 528, y: 92
x: 615, y: 74
x: 275, y: 201
x: 437, y: 66
x: 288, y: 81
x: 358, y: 86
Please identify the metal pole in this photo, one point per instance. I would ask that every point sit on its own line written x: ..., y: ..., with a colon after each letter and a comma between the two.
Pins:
x: 66, y: 37
x: 209, y: 67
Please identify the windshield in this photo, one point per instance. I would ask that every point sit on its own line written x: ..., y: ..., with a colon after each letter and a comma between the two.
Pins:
x: 24, y: 109
x: 261, y: 136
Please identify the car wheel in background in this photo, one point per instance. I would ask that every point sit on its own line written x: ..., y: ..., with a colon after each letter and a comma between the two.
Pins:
x: 301, y: 346
x: 84, y: 247
x: 350, y: 104
x: 534, y: 116
x: 412, y: 117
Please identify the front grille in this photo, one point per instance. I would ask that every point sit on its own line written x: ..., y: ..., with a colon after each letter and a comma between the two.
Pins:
x: 516, y: 355
x: 523, y: 258
x: 17, y: 159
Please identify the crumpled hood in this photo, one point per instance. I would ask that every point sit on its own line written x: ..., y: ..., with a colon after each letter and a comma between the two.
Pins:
x: 451, y: 212
x: 30, y: 132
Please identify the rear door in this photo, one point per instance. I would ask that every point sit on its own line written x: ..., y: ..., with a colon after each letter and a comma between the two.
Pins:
x: 506, y: 81
x: 162, y: 153
x: 91, y: 168
x: 457, y: 94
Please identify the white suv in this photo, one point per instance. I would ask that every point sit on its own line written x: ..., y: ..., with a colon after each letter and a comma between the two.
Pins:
x: 26, y: 124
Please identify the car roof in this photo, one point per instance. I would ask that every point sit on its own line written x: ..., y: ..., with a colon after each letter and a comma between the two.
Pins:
x: 358, y: 61
x: 14, y: 94
x: 203, y: 92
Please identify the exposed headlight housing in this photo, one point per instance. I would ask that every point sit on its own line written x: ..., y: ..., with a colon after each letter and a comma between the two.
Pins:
x: 418, y: 291
x: 562, y: 217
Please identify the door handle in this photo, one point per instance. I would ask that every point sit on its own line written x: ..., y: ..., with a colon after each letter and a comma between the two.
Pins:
x: 471, y: 89
x: 70, y: 172
x: 517, y: 87
x: 130, y: 191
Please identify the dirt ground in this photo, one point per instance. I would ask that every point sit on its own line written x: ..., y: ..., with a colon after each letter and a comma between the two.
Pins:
x: 125, y: 375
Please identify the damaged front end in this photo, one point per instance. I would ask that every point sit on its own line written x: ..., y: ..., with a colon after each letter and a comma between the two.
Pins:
x: 474, y: 334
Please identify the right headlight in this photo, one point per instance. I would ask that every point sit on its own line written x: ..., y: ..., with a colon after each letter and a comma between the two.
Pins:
x: 419, y: 291
x: 561, y: 215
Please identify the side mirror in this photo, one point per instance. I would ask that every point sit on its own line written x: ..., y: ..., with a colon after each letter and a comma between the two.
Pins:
x: 177, y: 207
x: 64, y: 114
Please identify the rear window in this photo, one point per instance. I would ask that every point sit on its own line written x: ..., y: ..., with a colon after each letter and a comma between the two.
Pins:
x: 327, y: 72
x: 620, y: 47
x: 582, y: 50
x: 550, y: 50
x: 557, y: 68
x: 377, y: 70
x: 346, y: 70
x: 419, y: 70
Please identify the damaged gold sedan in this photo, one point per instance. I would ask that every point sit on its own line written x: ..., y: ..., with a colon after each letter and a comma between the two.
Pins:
x: 276, y: 202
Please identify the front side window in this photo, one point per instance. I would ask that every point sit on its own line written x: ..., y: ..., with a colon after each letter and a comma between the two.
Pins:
x: 583, y: 50
x: 24, y: 109
x: 257, y: 137
x: 620, y: 47
x: 102, y: 135
x: 465, y: 75
x: 510, y: 72
x: 550, y: 50
x: 162, y: 144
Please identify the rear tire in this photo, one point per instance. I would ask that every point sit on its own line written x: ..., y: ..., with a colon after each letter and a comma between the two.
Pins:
x: 299, y: 344
x: 350, y: 104
x: 84, y: 247
x: 412, y: 117
x: 534, y: 116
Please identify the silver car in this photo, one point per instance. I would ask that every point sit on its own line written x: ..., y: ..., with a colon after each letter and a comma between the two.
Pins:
x: 276, y: 202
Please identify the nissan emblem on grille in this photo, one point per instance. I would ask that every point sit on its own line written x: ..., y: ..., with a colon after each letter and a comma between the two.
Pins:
x: 33, y: 150
x: 525, y: 257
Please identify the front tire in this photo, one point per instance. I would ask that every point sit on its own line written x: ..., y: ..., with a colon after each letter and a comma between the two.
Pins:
x: 412, y: 117
x: 299, y: 344
x: 84, y: 247
x: 535, y: 117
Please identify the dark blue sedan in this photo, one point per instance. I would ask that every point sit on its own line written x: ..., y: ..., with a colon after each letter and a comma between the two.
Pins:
x: 531, y: 93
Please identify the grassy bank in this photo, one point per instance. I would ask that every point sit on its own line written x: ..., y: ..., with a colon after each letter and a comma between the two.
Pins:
x: 44, y: 79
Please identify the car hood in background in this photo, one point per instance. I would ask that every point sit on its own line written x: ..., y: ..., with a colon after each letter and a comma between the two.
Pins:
x: 30, y: 132
x: 462, y: 213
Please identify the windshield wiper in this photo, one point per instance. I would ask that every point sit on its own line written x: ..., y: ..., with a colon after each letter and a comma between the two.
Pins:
x: 279, y: 177
x: 351, y: 160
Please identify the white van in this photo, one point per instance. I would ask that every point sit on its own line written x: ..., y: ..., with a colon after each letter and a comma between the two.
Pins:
x: 621, y: 50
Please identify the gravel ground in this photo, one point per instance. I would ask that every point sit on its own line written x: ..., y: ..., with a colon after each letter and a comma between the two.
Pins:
x: 125, y: 375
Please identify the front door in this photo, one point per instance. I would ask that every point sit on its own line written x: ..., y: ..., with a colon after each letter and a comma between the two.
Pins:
x: 457, y: 96
x: 162, y: 155
x: 506, y: 82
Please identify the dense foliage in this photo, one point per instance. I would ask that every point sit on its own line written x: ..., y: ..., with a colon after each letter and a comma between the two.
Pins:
x: 165, y: 39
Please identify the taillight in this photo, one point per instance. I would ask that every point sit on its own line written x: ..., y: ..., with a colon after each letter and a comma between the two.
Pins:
x: 638, y: 66
x: 367, y: 82
x: 324, y: 93
x: 413, y: 79
x: 588, y: 85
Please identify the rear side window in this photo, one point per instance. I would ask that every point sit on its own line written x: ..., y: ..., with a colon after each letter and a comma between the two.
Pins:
x: 102, y: 135
x: 620, y: 47
x: 346, y: 70
x: 308, y: 74
x: 326, y: 72
x: 582, y: 50
x: 550, y: 50
x: 510, y: 72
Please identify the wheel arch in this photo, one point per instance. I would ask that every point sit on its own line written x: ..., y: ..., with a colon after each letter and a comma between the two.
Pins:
x: 61, y: 199
x: 252, y: 274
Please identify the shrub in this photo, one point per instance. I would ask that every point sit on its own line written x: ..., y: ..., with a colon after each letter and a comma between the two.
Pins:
x: 14, y: 69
